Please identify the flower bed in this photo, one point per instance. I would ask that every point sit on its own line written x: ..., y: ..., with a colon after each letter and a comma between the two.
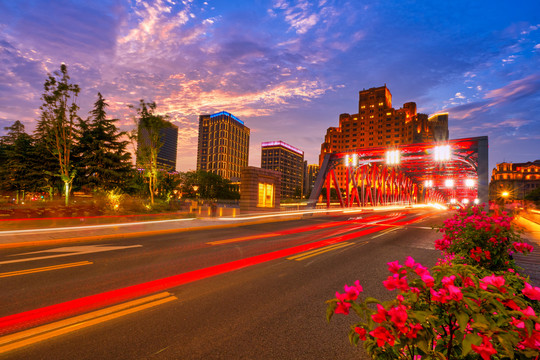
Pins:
x: 473, y: 304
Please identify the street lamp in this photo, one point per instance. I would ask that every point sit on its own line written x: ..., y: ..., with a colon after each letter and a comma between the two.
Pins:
x: 392, y: 157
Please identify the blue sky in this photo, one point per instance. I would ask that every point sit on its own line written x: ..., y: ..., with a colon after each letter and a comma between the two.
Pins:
x: 286, y: 68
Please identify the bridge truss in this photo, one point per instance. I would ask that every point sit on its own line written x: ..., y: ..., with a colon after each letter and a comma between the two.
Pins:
x: 453, y: 172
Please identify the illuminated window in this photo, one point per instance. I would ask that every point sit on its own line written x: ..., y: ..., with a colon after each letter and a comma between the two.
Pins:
x: 266, y: 195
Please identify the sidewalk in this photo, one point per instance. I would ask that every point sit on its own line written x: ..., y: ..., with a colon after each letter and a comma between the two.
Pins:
x: 531, y: 262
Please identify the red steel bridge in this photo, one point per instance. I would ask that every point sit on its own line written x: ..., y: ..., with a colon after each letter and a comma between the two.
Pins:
x: 453, y: 172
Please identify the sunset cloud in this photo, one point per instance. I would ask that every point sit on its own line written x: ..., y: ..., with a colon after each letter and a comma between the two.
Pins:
x: 295, y: 64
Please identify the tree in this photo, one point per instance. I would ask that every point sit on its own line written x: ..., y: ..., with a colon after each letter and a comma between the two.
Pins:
x: 102, y: 159
x: 534, y: 196
x: 57, y: 123
x: 17, y: 152
x: 210, y: 186
x: 149, y: 134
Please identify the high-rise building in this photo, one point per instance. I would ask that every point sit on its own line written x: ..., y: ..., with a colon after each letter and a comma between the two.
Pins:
x: 289, y: 161
x: 438, y: 125
x: 310, y: 175
x: 513, y: 181
x: 223, y: 146
x: 166, y: 158
x: 378, y: 124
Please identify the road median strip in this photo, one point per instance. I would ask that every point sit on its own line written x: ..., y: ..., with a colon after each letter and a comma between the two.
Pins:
x: 44, y: 332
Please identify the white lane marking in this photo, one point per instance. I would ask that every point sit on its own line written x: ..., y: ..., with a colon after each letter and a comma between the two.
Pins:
x: 68, y: 251
x: 11, y: 232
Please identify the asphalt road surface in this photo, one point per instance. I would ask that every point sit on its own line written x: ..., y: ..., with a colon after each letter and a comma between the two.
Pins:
x: 248, y: 292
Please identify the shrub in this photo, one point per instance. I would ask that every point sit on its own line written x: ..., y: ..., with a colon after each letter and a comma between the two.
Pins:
x: 448, y: 313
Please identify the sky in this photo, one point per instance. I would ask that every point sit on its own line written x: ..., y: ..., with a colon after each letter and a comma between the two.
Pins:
x: 285, y: 68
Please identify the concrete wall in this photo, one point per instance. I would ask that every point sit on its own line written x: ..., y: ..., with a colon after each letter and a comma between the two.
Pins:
x: 250, y: 177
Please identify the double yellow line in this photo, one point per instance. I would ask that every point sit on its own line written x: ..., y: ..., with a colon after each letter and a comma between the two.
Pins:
x: 46, y: 268
x: 31, y: 336
x: 308, y: 254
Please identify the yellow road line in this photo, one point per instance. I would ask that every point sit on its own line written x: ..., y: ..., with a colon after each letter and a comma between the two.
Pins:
x: 324, y: 251
x: 244, y: 238
x: 46, y: 268
x: 387, y: 232
x: 307, y: 254
x: 315, y: 251
x: 31, y: 336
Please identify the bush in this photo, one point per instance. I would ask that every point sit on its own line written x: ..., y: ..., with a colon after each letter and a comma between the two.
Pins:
x: 473, y: 305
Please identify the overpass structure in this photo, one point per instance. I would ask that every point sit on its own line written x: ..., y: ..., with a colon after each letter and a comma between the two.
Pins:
x: 455, y: 171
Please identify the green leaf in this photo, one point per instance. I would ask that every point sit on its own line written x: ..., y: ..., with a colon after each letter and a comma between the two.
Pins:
x: 470, y: 339
x: 420, y: 315
x: 330, y: 309
x: 463, y: 320
x: 423, y: 345
x: 371, y: 300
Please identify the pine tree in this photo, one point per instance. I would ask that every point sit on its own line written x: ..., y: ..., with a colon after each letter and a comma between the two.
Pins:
x: 102, y: 159
x: 17, y: 154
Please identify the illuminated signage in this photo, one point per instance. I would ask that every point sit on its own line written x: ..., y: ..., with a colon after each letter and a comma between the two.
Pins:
x: 281, y: 143
x: 224, y: 113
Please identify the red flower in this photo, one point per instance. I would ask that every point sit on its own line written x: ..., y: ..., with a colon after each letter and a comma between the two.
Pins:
x: 398, y: 315
x: 381, y: 314
x: 383, y: 336
x: 361, y: 332
x: 531, y: 292
x: 485, y: 349
x: 342, y: 308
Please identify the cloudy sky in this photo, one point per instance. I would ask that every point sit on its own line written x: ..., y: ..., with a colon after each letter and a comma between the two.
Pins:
x: 286, y: 68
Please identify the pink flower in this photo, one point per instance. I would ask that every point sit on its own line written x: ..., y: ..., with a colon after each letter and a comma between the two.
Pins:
x: 352, y: 292
x: 421, y: 270
x: 523, y: 247
x: 413, y: 331
x: 383, y: 336
x: 528, y: 312
x: 454, y: 292
x: 448, y: 280
x: 497, y: 281
x: 381, y: 314
x: 410, y: 262
x: 398, y: 315
x: 394, y: 267
x: 531, y: 292
x: 390, y: 283
x: 342, y: 308
x: 428, y: 280
x: 361, y: 332
x: 440, y: 296
x: 485, y: 349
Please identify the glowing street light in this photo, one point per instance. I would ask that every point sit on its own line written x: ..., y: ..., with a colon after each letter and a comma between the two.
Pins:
x: 351, y: 160
x: 449, y: 183
x: 392, y: 157
x: 442, y: 153
x: 505, y: 194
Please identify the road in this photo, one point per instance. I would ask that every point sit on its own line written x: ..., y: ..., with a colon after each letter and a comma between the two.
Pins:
x: 249, y: 292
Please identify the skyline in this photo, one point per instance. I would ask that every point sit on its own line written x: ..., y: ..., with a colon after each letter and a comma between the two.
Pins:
x: 287, y: 69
